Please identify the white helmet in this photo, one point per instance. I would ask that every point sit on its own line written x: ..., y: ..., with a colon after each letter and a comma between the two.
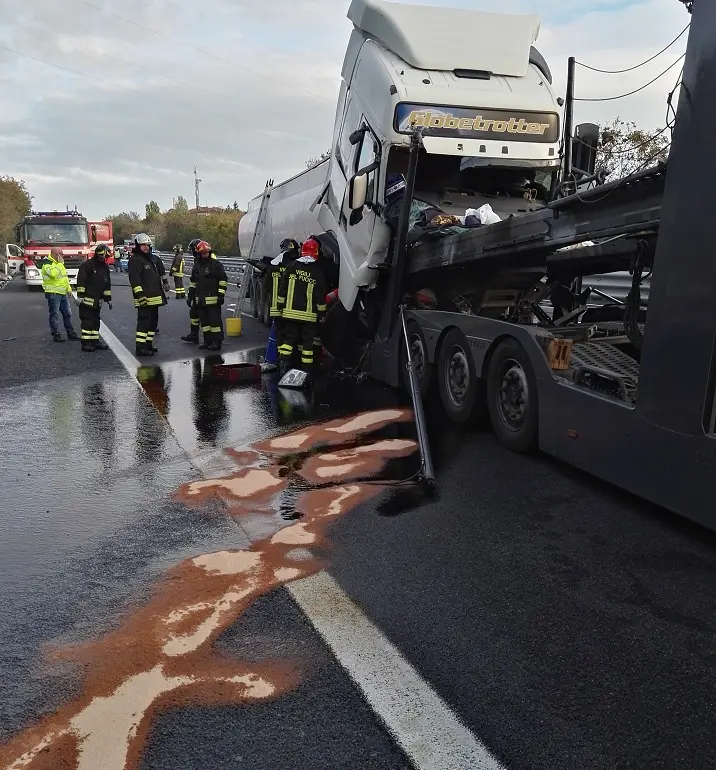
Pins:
x: 142, y: 239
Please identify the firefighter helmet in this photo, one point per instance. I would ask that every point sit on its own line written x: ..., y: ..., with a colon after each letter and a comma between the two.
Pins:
x: 287, y: 244
x: 193, y: 244
x: 142, y: 240
x: 202, y: 247
x: 101, y: 251
x: 310, y: 248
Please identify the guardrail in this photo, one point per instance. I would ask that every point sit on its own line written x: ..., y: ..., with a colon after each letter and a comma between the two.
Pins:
x: 234, y: 266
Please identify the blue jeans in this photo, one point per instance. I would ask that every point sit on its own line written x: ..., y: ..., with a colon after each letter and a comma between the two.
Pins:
x: 59, y: 303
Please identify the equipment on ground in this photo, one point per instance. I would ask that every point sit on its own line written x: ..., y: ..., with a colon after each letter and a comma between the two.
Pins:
x: 295, y: 379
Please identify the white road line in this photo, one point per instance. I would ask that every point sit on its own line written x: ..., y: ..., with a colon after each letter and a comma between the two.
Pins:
x: 130, y: 363
x: 416, y: 716
x: 422, y: 724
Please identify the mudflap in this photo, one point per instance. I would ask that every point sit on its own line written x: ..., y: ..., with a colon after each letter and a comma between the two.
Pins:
x: 343, y: 335
x: 384, y: 359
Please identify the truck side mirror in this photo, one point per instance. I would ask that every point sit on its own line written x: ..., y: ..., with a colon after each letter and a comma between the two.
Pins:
x: 584, y: 148
x: 358, y: 135
x: 94, y: 233
x: 358, y: 192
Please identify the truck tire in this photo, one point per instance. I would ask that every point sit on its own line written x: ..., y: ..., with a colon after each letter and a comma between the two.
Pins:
x: 419, y: 350
x: 459, y: 386
x: 512, y: 397
x: 266, y: 310
x: 256, y: 299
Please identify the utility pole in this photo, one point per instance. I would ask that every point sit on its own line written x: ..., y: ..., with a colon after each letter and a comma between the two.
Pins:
x: 197, y: 182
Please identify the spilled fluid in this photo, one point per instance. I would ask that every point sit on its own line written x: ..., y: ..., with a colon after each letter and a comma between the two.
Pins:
x: 161, y: 655
x: 206, y: 412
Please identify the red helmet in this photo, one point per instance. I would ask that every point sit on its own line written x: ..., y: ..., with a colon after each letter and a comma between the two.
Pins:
x: 202, y: 248
x: 310, y: 248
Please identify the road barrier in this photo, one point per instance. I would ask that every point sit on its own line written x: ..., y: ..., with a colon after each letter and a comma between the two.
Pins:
x: 234, y: 266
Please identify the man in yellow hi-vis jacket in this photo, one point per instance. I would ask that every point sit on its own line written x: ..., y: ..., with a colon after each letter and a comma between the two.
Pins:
x: 56, y: 286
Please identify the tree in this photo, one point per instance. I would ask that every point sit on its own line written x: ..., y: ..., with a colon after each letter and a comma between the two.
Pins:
x: 313, y: 162
x: 15, y: 203
x: 624, y: 148
x: 124, y: 224
x: 181, y: 205
x: 152, y: 210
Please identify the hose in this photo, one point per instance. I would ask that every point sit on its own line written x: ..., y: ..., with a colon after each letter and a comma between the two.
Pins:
x: 633, y: 300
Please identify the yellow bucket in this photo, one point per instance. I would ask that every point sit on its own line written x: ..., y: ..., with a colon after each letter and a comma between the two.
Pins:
x: 233, y: 326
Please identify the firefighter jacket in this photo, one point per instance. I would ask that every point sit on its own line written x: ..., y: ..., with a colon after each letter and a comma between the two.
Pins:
x: 54, y: 277
x: 93, y: 283
x: 145, y: 280
x: 177, y: 268
x: 302, y: 291
x: 274, y: 273
x: 208, y: 282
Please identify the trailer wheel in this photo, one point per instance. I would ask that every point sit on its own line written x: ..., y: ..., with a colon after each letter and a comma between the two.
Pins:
x: 512, y: 397
x: 459, y: 385
x: 266, y: 310
x: 419, y: 352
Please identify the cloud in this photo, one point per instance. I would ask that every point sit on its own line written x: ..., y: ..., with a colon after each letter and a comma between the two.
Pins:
x: 245, y: 90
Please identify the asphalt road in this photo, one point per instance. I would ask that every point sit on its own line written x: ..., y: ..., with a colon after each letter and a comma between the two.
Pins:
x: 564, y: 623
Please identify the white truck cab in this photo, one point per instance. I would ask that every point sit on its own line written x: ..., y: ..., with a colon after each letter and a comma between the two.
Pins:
x: 482, y: 95
x: 480, y: 92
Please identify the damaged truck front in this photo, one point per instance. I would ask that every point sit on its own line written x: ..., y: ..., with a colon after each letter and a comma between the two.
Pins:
x: 482, y: 94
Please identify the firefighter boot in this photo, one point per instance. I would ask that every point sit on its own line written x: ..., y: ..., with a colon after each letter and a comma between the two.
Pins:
x: 143, y: 350
x: 191, y: 338
x: 100, y: 345
x: 87, y: 347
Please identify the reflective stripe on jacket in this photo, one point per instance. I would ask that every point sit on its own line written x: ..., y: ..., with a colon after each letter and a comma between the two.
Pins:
x: 145, y: 281
x: 54, y: 277
x: 208, y: 282
x: 302, y: 291
x: 93, y: 283
x: 177, y: 268
x: 272, y: 281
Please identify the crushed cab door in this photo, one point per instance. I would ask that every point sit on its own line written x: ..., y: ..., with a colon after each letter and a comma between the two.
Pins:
x: 355, y: 231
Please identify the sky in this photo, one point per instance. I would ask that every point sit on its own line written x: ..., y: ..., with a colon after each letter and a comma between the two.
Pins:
x: 108, y: 113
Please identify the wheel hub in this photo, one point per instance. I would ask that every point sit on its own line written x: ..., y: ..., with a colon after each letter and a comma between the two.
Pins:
x: 417, y: 353
x: 458, y: 376
x: 514, y: 395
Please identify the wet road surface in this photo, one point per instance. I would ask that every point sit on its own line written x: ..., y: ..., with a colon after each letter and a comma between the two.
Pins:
x: 565, y: 624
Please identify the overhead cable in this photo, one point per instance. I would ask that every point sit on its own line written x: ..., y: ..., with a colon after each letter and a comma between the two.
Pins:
x: 636, y: 90
x: 637, y: 66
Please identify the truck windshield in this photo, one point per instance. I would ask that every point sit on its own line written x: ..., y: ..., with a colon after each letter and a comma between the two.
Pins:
x: 456, y: 183
x: 61, y: 233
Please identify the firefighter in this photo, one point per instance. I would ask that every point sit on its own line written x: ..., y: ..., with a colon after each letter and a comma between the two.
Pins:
x: 93, y: 288
x: 208, y: 288
x: 162, y: 274
x: 149, y: 296
x: 177, y: 272
x: 193, y: 335
x: 289, y: 253
x: 302, y: 291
